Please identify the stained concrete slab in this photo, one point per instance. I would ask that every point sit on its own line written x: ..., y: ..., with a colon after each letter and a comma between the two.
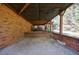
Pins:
x: 37, y: 46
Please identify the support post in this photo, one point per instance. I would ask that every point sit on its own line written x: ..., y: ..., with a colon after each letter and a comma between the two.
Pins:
x: 61, y: 25
x: 53, y: 25
x: 50, y: 26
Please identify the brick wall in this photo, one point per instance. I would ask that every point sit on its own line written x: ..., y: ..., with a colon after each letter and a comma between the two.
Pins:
x: 12, y: 26
x: 70, y: 41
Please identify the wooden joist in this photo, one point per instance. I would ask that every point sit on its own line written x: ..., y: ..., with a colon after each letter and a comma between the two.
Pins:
x: 24, y: 7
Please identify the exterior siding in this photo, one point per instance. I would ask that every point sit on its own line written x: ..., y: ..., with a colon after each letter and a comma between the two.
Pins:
x: 12, y: 26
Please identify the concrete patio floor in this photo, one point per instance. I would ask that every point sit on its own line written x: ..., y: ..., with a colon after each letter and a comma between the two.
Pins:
x: 37, y: 46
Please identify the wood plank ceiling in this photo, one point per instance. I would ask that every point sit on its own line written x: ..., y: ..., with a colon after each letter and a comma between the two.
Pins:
x: 38, y: 13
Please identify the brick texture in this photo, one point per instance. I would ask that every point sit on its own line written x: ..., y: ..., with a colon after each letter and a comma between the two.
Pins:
x: 12, y: 26
x: 70, y: 41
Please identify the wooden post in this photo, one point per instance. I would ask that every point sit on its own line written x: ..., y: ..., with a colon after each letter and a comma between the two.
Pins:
x: 50, y: 26
x: 61, y: 25
x: 53, y: 25
x: 45, y: 26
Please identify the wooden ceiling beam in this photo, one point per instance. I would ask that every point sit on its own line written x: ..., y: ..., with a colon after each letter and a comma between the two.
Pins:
x: 38, y: 22
x: 24, y: 7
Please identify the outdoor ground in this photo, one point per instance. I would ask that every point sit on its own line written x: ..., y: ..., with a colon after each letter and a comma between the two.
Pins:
x: 37, y: 46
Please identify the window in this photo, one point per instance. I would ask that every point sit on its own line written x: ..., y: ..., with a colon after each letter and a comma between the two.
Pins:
x: 71, y: 21
x: 56, y: 24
